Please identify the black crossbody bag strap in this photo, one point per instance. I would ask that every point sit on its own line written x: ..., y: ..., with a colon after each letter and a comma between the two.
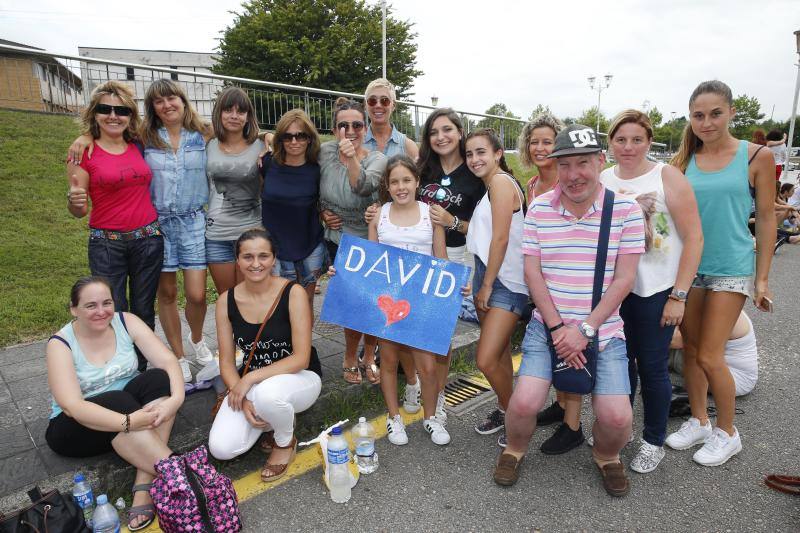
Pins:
x: 602, y: 249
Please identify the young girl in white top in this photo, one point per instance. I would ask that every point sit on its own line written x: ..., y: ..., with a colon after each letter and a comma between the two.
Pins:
x: 405, y: 223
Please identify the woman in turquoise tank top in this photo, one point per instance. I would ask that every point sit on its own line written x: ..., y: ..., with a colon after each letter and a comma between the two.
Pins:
x: 723, y: 172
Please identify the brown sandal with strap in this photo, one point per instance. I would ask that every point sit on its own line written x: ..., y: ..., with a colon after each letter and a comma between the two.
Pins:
x: 351, y: 374
x: 372, y: 372
x: 785, y: 484
x: 267, y: 442
x: 274, y: 472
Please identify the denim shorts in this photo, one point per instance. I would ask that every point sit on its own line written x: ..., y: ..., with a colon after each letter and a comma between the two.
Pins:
x: 502, y: 297
x: 220, y: 251
x: 612, y: 362
x: 306, y: 271
x: 737, y: 284
x: 184, y: 241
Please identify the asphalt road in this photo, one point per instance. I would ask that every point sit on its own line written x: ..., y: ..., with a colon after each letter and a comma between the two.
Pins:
x: 421, y: 487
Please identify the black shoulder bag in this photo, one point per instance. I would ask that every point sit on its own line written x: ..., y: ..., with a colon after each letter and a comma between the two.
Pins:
x: 565, y: 377
x: 51, y: 512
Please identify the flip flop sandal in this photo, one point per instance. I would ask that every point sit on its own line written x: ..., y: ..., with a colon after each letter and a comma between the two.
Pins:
x: 351, y: 374
x: 372, y: 372
x: 785, y: 484
x: 274, y: 472
x: 147, y: 510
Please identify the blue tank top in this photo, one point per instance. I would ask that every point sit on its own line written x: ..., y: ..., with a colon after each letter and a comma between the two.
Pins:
x: 724, y: 202
x: 95, y: 380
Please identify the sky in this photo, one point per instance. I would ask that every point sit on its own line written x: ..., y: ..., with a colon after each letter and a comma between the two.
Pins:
x: 477, y: 53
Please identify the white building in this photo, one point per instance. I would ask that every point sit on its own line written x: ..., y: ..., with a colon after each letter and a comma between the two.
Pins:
x: 201, y: 90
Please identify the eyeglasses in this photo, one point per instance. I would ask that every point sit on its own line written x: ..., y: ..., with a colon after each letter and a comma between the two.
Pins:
x: 357, y: 125
x: 119, y: 110
x: 372, y: 101
x: 300, y: 136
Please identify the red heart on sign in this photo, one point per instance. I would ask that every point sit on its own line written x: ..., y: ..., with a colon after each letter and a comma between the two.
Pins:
x: 395, y: 311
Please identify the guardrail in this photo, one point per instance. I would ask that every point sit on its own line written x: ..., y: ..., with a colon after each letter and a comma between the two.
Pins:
x: 44, y: 81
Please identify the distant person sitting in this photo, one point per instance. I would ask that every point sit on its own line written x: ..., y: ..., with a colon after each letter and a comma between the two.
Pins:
x: 741, y: 355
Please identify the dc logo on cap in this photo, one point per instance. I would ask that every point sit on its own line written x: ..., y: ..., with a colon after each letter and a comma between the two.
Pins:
x: 581, y: 138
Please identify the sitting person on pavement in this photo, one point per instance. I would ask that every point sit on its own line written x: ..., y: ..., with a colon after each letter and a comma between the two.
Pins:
x: 741, y: 355
x: 101, y: 401
x: 560, y: 239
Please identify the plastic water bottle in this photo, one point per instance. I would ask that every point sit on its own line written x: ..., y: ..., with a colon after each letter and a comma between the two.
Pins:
x: 366, y: 456
x: 82, y: 492
x: 338, y: 473
x: 106, y: 519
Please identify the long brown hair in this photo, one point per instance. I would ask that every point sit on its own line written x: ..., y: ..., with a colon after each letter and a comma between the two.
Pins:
x: 289, y: 118
x: 494, y: 142
x: 163, y: 88
x: 689, y: 141
x: 399, y: 160
x: 228, y: 99
x: 429, y: 164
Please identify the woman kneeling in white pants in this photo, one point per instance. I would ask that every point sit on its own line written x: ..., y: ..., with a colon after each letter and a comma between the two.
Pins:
x: 281, y: 377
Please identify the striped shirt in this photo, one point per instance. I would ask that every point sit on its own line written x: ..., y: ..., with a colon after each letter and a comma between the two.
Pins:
x: 567, y: 248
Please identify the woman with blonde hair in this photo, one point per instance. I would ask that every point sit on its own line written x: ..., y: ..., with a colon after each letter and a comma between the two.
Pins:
x: 174, y: 138
x: 726, y: 175
x: 126, y: 246
x: 382, y: 135
x: 234, y: 201
x: 290, y: 200
x: 673, y: 243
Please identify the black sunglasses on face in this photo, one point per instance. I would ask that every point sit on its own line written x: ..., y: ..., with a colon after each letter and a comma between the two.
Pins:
x: 357, y: 125
x: 300, y: 136
x: 119, y: 110
x: 372, y: 101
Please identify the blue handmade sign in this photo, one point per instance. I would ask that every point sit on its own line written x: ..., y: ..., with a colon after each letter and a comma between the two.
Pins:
x: 395, y: 294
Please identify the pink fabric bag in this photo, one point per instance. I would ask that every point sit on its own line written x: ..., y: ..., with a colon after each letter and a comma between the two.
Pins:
x: 190, y: 495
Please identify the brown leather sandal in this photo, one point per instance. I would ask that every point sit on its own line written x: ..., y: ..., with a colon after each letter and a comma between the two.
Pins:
x: 274, y: 472
x: 785, y: 484
x: 372, y: 372
x: 351, y: 374
x: 267, y: 442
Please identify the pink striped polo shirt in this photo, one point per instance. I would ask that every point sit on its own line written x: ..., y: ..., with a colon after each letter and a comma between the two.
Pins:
x: 567, y: 248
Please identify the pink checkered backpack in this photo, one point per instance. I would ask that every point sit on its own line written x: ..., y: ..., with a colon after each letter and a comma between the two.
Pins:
x: 191, y: 496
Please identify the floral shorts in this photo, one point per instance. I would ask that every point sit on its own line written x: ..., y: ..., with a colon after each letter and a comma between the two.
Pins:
x: 738, y: 284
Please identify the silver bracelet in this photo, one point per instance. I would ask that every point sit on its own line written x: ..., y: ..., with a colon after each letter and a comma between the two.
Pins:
x: 454, y: 225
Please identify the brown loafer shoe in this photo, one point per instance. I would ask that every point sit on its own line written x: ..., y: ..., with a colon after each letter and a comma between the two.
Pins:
x: 506, y: 473
x: 615, y: 481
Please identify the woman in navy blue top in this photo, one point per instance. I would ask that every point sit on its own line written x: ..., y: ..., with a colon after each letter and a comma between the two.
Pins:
x: 289, y: 200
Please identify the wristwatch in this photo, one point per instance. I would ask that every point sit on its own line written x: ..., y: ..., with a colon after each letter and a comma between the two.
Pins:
x: 678, y: 295
x: 587, y: 330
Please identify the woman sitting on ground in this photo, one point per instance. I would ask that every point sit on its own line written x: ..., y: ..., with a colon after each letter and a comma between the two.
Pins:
x: 278, y: 379
x: 101, y: 401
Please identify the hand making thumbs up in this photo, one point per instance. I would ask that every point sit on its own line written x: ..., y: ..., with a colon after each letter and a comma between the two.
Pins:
x: 346, y: 147
x: 76, y: 196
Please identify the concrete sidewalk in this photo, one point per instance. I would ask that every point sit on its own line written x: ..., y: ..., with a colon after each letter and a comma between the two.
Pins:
x: 25, y: 458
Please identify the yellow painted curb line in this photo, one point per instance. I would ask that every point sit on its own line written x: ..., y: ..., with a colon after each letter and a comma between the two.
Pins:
x: 310, y: 458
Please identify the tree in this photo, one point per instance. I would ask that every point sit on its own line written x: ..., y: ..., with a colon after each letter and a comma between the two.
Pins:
x: 655, y: 117
x: 539, y: 110
x: 748, y: 112
x: 331, y: 44
x: 589, y: 118
x: 509, y: 130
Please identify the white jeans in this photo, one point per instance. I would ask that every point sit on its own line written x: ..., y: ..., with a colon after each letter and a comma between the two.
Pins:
x: 276, y: 401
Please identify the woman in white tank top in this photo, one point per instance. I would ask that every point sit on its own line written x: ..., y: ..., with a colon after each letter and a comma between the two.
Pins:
x: 674, y: 243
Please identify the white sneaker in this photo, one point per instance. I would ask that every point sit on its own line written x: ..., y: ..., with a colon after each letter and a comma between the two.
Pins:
x: 647, y: 458
x: 210, y: 371
x: 718, y: 448
x: 441, y: 414
x: 187, y: 372
x: 396, y: 430
x: 202, y: 354
x: 439, y: 434
x: 690, y: 434
x: 411, y: 397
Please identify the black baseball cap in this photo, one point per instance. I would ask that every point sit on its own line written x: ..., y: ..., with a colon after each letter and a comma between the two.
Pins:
x: 576, y: 139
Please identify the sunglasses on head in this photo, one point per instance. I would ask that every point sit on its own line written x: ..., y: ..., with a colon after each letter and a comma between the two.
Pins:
x: 372, y: 101
x: 300, y: 136
x: 357, y: 125
x: 119, y: 110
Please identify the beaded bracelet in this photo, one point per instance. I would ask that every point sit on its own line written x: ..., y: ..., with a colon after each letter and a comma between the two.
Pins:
x: 127, y: 424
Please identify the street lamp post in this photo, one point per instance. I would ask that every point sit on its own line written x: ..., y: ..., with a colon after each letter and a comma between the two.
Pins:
x: 434, y: 100
x: 383, y: 31
x: 794, y: 103
x: 671, y: 125
x: 599, y: 88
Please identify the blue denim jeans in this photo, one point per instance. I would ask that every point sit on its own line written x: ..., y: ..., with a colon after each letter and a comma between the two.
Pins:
x: 648, y: 358
x: 131, y: 267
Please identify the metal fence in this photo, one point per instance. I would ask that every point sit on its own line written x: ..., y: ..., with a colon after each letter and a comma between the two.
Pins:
x: 42, y: 81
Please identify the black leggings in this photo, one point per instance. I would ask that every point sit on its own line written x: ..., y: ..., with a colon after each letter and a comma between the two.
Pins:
x: 66, y: 436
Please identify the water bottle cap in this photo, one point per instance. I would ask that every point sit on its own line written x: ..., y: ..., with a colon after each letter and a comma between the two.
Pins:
x: 337, y: 430
x: 78, y: 478
x: 362, y: 420
x: 102, y: 499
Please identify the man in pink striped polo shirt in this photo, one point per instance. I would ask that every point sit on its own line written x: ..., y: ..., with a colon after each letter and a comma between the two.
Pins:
x: 560, y: 240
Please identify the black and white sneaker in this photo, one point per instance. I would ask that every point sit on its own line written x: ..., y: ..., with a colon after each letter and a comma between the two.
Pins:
x: 493, y: 423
